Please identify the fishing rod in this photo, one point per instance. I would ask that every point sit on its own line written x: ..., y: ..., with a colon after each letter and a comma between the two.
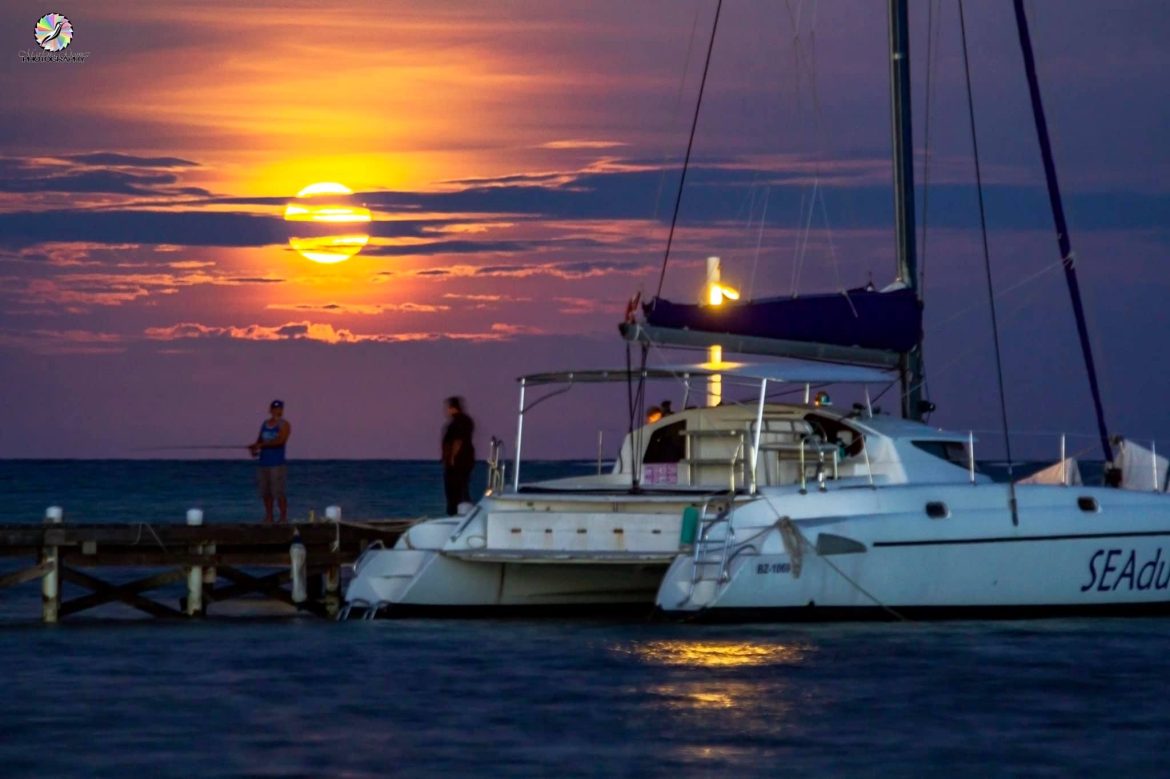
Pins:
x: 179, y: 448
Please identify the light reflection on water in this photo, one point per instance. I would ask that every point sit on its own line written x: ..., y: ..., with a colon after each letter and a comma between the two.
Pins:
x: 717, y: 654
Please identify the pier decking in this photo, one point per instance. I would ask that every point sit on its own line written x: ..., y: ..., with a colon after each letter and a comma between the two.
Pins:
x: 209, y: 558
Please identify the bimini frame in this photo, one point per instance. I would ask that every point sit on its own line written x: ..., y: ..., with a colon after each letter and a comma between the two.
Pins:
x: 804, y: 373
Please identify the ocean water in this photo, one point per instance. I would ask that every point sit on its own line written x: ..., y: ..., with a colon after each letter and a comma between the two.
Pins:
x: 117, y: 696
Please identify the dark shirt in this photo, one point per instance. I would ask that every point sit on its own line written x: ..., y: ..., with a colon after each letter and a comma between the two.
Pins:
x: 460, y: 428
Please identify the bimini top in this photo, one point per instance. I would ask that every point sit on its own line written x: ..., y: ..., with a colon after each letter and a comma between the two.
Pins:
x: 781, y: 372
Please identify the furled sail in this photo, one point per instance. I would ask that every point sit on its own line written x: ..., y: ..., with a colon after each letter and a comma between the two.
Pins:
x: 889, y: 321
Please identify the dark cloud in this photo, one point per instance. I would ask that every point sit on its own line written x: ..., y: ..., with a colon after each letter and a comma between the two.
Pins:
x: 129, y: 160
x: 114, y: 182
x: 189, y: 228
x: 96, y: 173
x: 463, y: 246
x: 715, y: 194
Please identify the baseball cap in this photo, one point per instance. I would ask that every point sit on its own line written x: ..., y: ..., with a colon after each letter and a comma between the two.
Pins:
x: 276, y: 404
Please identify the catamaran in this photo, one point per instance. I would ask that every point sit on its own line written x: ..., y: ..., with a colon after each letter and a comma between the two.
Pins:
x: 798, y: 510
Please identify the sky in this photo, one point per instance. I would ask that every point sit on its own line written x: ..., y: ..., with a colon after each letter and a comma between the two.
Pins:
x: 520, y: 162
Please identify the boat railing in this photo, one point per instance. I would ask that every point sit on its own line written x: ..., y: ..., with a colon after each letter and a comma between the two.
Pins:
x: 971, y: 454
x: 868, y: 463
x: 497, y: 468
x: 701, y: 553
x: 737, y: 461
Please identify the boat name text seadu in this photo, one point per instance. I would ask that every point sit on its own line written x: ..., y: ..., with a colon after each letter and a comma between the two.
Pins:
x: 1111, y: 577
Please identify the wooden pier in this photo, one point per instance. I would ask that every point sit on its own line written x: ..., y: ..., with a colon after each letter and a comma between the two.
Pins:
x: 209, y: 558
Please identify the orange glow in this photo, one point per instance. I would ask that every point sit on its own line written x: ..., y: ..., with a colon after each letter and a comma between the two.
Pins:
x: 701, y: 654
x: 717, y: 293
x: 327, y: 203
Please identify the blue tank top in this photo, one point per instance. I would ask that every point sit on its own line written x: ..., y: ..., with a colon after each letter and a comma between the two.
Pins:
x: 274, y: 455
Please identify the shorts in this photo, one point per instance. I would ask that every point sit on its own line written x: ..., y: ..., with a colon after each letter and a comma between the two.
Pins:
x: 271, y: 480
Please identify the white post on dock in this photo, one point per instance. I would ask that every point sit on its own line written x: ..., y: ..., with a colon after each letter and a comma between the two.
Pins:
x: 51, y: 580
x: 296, y: 556
x: 333, y: 573
x: 195, y: 572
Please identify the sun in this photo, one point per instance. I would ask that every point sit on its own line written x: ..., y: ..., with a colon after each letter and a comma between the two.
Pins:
x: 330, y: 227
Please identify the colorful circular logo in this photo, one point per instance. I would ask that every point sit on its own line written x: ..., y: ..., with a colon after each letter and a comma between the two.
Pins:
x: 54, y: 32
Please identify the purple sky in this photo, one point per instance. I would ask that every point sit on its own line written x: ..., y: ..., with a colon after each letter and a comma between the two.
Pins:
x: 520, y: 161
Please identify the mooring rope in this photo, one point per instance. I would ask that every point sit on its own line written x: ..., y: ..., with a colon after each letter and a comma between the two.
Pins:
x: 800, y: 536
x: 138, y: 536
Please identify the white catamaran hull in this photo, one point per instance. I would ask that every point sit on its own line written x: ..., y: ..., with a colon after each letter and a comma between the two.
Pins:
x: 551, y: 554
x: 405, y: 581
x: 1074, y: 551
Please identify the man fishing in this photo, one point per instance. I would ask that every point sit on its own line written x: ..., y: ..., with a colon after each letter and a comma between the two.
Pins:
x: 272, y: 472
x: 458, y: 455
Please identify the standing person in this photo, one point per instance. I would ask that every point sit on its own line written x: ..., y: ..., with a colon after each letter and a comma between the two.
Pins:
x: 458, y: 455
x: 269, y: 448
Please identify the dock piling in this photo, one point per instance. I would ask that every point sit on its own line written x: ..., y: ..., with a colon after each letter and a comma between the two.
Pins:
x: 195, y: 572
x: 51, y: 563
x: 297, y: 569
x: 333, y: 590
x: 214, y: 562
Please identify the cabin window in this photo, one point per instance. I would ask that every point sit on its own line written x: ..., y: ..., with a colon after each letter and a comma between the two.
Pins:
x: 1088, y: 504
x: 954, y: 452
x: 937, y: 510
x: 667, y: 444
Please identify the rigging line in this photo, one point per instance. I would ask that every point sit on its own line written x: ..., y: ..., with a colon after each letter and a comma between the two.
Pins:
x: 690, y: 145
x: 1062, y: 233
x: 630, y: 399
x: 674, y: 111
x: 794, y: 20
x: 759, y: 242
x: 806, y: 57
x: 933, y: 24
x: 1001, y: 294
x: 833, y: 250
x: 812, y: 207
x: 957, y: 359
x: 987, y: 267
x: 796, y: 247
x: 640, y: 399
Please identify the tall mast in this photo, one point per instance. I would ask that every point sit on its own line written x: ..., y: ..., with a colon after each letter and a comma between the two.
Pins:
x: 910, y: 363
x: 1066, y: 253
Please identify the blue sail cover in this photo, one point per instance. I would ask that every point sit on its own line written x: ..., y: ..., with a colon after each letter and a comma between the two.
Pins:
x: 867, y: 318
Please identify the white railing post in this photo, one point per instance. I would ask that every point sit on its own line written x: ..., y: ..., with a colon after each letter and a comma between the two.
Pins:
x: 759, y: 429
x: 971, y: 454
x: 600, y: 438
x: 519, y: 438
x: 864, y: 451
x: 803, y: 484
x: 1154, y: 463
x: 1063, y: 461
